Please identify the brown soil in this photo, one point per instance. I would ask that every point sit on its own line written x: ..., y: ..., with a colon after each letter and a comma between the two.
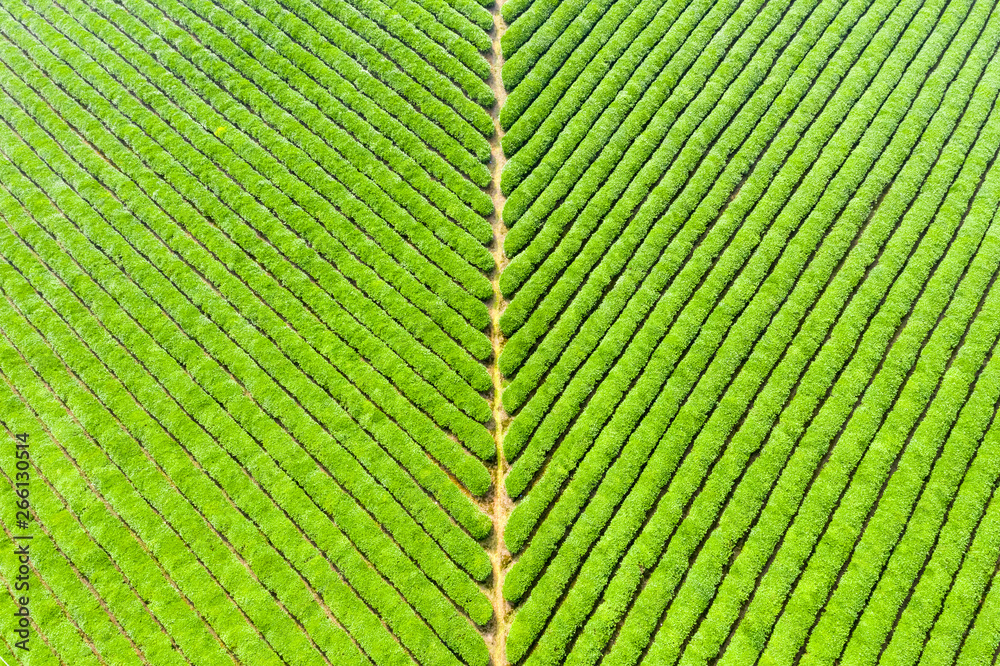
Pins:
x: 501, y: 503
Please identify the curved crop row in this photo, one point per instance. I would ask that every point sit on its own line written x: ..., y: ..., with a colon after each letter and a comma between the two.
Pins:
x: 631, y: 220
x: 739, y: 341
x: 554, y: 71
x: 831, y: 421
x: 883, y: 601
x: 855, y: 509
x: 729, y: 408
x: 687, y: 302
x: 564, y: 146
x: 664, y: 117
x: 716, y: 550
x: 682, y: 238
x: 523, y: 46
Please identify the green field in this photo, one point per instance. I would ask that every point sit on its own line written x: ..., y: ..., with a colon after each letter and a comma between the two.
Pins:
x: 546, y: 332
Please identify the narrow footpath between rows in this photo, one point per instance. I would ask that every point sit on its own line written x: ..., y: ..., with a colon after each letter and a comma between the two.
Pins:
x: 501, y: 504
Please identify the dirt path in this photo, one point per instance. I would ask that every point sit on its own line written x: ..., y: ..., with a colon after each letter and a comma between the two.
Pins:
x: 502, y: 504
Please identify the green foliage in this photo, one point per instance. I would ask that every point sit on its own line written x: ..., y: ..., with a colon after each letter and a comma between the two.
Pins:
x: 628, y: 528
x: 246, y: 281
x: 249, y: 269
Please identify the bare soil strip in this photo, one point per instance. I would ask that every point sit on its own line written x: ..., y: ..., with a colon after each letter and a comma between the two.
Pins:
x: 501, y: 505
